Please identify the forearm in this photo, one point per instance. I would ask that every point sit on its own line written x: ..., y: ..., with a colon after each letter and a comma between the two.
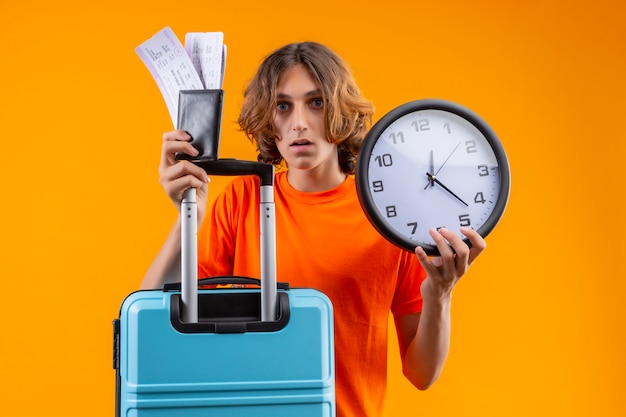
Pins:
x: 166, y: 265
x: 427, y: 352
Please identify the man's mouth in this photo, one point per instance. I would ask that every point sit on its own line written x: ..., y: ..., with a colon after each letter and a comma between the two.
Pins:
x: 300, y: 142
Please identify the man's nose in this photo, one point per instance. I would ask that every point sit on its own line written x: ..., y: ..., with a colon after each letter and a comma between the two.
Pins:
x: 299, y: 118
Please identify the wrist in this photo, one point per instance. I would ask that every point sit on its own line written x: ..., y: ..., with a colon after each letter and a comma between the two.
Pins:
x: 441, y: 303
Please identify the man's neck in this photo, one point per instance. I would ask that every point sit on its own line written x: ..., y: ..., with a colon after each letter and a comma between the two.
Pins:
x: 315, y: 180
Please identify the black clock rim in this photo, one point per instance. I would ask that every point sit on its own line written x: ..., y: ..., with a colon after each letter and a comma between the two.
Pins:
x: 362, y: 175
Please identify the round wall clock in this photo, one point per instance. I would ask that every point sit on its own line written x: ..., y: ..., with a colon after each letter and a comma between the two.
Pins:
x: 431, y: 164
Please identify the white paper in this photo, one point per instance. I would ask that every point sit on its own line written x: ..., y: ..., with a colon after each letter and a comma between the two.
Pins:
x: 208, y: 54
x: 170, y: 66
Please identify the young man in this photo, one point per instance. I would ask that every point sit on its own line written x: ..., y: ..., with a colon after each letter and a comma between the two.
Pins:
x: 305, y: 113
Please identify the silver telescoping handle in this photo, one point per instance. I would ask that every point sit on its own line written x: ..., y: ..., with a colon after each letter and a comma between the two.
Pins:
x: 189, y: 256
x: 189, y: 231
x: 268, y: 254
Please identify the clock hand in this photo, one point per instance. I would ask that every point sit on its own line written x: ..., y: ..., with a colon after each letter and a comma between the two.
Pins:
x: 444, y: 162
x: 434, y: 179
x: 432, y: 171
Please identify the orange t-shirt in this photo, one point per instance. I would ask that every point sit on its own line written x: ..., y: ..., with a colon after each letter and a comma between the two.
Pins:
x: 324, y: 241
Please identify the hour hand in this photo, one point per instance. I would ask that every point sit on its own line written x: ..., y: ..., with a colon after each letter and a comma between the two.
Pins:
x: 432, y: 180
x: 431, y: 176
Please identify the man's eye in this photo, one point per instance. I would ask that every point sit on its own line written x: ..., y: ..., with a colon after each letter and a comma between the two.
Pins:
x: 282, y: 106
x: 318, y: 102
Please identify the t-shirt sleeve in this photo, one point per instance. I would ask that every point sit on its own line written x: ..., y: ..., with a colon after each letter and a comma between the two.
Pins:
x: 408, y: 298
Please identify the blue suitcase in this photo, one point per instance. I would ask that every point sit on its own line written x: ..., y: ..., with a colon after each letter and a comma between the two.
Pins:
x: 228, y: 352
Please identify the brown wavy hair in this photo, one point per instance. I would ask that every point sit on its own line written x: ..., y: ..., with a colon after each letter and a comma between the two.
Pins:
x: 348, y: 115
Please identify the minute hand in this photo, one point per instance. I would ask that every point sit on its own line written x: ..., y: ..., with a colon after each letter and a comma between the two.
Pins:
x: 434, y: 179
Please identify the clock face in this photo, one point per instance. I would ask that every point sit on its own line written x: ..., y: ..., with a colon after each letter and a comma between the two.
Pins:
x: 431, y: 164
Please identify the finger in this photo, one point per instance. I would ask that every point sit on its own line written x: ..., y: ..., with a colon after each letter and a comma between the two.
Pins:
x: 177, y: 134
x: 170, y: 148
x: 188, y: 181
x: 441, y: 241
x: 462, y: 252
x: 477, y: 242
x: 457, y: 244
x: 429, y: 266
x: 176, y: 188
x: 181, y: 169
x: 447, y: 256
x: 181, y: 176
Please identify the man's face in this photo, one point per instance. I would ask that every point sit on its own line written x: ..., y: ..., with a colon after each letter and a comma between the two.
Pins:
x: 299, y: 122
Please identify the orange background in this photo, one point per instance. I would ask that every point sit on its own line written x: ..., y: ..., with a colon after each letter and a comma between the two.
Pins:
x: 538, y: 323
